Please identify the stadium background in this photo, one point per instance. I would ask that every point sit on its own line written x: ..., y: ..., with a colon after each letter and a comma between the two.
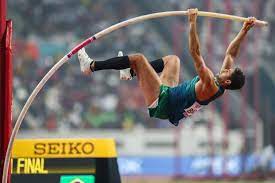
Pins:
x: 230, y: 138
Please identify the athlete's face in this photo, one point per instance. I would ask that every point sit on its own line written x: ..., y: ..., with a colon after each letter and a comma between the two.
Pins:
x: 224, y: 76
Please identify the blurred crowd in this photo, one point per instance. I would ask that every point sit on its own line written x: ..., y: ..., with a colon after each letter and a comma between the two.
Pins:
x: 45, y: 30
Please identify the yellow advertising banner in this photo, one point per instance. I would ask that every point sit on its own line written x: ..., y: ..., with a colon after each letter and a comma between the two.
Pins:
x: 64, y: 148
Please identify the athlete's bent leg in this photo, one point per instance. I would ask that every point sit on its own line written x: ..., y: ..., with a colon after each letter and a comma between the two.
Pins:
x: 149, y: 81
x: 171, y: 71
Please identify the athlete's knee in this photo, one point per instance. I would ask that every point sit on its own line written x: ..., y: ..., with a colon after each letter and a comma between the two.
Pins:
x: 137, y: 57
x: 171, y: 59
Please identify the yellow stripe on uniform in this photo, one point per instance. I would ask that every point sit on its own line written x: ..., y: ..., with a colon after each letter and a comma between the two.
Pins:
x: 64, y: 148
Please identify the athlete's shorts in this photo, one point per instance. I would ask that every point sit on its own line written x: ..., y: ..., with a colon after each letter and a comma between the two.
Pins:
x: 159, y: 109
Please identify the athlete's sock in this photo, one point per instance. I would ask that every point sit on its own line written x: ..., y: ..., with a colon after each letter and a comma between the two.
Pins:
x: 117, y: 63
x: 158, y: 65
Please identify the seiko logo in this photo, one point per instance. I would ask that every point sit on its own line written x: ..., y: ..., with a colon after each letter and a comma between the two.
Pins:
x: 64, y: 148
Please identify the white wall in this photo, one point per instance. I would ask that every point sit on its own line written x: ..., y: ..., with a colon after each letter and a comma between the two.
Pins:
x: 192, y: 140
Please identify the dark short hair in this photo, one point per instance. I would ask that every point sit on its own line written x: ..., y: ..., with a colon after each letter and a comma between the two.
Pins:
x: 237, y: 79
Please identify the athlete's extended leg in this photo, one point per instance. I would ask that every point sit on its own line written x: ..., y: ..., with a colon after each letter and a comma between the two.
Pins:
x: 88, y: 65
x: 171, y: 71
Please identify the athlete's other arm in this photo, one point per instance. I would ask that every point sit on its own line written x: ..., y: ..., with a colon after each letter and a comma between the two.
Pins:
x: 194, y: 48
x: 234, y: 47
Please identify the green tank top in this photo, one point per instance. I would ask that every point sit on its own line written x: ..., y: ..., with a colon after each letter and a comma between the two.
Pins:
x: 182, y: 101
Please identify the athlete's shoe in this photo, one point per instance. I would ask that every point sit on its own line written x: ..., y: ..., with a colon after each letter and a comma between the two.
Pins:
x: 124, y: 74
x: 85, y: 61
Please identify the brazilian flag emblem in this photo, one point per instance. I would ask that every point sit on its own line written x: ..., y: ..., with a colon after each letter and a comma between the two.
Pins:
x: 77, y: 179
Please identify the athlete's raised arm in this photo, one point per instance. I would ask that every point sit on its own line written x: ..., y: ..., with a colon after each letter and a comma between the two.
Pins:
x: 234, y: 47
x: 194, y: 47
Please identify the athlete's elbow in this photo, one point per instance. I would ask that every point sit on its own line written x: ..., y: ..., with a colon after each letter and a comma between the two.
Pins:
x: 195, y: 52
x: 231, y: 54
x: 232, y: 51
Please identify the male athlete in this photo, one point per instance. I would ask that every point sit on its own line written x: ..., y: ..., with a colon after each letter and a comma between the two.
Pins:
x: 164, y: 96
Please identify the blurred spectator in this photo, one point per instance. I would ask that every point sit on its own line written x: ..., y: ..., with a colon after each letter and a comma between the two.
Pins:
x: 45, y: 30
